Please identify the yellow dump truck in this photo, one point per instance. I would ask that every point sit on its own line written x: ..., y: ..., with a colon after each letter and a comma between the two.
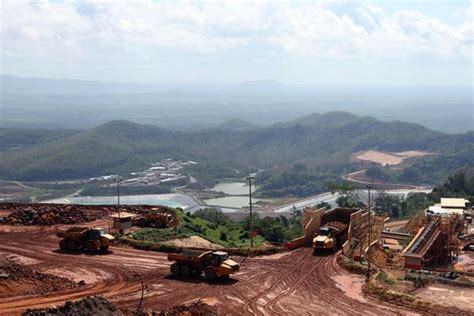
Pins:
x: 214, y: 264
x: 331, y: 236
x: 86, y: 239
x: 333, y: 229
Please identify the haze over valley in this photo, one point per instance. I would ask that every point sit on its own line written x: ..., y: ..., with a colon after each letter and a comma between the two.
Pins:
x: 45, y: 103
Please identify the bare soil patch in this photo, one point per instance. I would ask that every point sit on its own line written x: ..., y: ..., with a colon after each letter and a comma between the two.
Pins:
x: 17, y: 279
x: 388, y: 158
x: 193, y: 242
x: 297, y: 283
x: 448, y: 295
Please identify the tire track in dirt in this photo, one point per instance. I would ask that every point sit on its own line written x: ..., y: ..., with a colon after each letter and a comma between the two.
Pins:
x: 293, y: 283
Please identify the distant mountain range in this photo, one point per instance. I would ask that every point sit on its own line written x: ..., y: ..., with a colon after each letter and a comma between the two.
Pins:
x: 122, y: 146
x: 34, y: 85
x: 35, y: 103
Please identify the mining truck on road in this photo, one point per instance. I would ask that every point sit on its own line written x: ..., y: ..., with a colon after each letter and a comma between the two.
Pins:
x: 333, y: 229
x: 214, y: 264
x: 331, y: 236
x: 87, y: 239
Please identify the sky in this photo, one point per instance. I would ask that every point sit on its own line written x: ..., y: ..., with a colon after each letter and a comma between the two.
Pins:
x: 412, y: 42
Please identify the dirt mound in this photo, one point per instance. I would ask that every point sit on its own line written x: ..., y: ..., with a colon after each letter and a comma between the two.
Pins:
x: 17, y: 279
x: 377, y: 290
x: 97, y: 305
x: 197, y: 308
x: 47, y: 214
x: 51, y: 214
x: 192, y: 242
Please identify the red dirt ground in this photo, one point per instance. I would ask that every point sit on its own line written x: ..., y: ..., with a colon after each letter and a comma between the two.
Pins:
x: 294, y: 283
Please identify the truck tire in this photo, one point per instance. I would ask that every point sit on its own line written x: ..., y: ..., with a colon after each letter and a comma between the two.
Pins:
x: 71, y: 245
x: 142, y: 222
x: 186, y: 271
x: 225, y: 277
x: 174, y: 268
x: 104, y: 249
x: 91, y: 247
x: 210, y: 274
x: 63, y: 245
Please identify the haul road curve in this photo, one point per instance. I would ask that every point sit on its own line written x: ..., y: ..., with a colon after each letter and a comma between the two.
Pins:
x: 293, y: 283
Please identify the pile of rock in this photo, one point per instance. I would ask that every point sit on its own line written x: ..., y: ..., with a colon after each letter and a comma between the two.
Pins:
x: 52, y: 214
x: 96, y: 305
x: 16, y: 278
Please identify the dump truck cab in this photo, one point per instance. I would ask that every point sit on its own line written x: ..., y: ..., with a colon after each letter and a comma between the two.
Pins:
x: 224, y: 266
x: 325, y: 239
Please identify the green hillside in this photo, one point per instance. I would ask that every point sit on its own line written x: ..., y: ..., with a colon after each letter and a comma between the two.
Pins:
x: 14, y: 138
x: 317, y: 140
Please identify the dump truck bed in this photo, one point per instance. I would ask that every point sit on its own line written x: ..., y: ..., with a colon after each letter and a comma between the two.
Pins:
x: 73, y: 232
x: 337, y: 226
x: 191, y: 256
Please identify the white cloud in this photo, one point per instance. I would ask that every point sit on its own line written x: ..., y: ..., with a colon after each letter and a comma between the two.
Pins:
x: 104, y: 31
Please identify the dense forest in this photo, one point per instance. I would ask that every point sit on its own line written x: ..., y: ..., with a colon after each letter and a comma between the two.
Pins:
x: 297, y: 157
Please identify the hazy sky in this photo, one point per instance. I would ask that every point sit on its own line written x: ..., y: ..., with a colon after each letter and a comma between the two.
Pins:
x: 298, y: 42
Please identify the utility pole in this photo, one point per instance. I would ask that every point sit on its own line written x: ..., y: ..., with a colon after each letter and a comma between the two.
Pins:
x: 369, y: 234
x: 249, y: 179
x: 118, y: 179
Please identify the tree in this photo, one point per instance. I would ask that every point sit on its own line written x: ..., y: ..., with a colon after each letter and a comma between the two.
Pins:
x: 322, y: 204
x: 350, y: 195
x: 389, y: 203
x: 213, y: 215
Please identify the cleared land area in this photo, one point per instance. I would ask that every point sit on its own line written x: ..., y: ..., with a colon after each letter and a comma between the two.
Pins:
x: 388, y: 158
x: 293, y: 283
x: 460, y: 297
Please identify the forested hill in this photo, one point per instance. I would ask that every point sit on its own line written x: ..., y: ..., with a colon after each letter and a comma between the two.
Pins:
x: 122, y: 146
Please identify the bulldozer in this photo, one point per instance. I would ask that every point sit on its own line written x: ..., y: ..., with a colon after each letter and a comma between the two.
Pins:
x: 92, y: 240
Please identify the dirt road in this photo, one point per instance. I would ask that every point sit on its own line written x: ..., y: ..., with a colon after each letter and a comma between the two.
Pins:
x: 292, y: 283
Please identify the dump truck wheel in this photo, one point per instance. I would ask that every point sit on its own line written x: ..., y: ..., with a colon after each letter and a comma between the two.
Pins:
x: 210, y: 274
x: 63, y: 245
x: 71, y: 245
x: 186, y: 271
x: 174, y: 269
x: 225, y: 277
x: 104, y: 248
x: 91, y: 247
x: 142, y: 222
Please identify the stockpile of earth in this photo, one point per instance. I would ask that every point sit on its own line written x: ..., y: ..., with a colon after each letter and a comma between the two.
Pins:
x: 51, y: 214
x: 97, y: 305
x: 18, y: 279
x: 43, y: 214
